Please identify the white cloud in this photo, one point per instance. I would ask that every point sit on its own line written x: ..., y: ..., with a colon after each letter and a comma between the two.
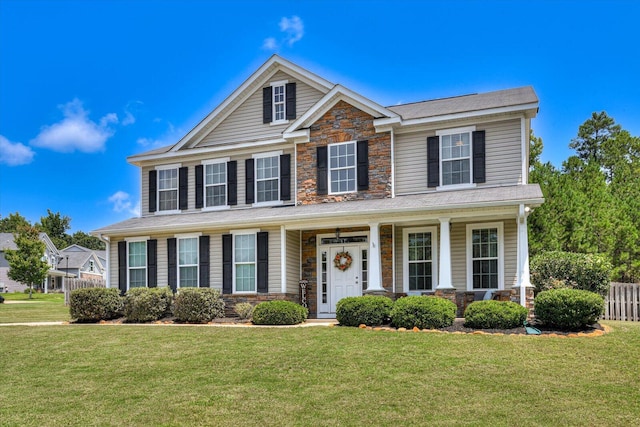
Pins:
x: 122, y: 203
x: 76, y: 131
x: 129, y: 118
x: 171, y: 136
x: 14, y: 153
x: 293, y: 29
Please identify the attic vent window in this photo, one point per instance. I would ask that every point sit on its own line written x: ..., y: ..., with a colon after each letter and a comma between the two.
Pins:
x: 279, y: 102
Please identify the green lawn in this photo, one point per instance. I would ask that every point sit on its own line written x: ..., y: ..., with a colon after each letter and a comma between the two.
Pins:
x: 42, y: 308
x: 114, y: 375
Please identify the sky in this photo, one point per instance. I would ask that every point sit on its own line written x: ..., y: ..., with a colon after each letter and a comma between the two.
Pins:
x: 85, y: 84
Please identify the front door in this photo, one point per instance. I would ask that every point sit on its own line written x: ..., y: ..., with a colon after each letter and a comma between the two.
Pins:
x: 345, y: 276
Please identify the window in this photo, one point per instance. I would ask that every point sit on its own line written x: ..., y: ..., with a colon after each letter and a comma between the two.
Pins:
x: 92, y: 266
x: 485, y: 256
x: 244, y: 260
x: 456, y: 158
x: 278, y: 102
x: 420, y: 261
x: 342, y: 167
x: 168, y: 189
x: 188, y: 262
x: 267, y: 179
x: 215, y: 184
x: 137, y: 264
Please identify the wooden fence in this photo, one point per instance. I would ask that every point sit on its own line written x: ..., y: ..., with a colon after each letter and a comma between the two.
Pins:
x: 623, y: 302
x: 73, y: 284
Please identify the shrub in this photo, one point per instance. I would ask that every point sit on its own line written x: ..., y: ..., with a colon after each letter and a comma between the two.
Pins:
x: 554, y: 270
x: 147, y: 304
x: 95, y: 304
x: 424, y: 312
x: 495, y: 315
x: 244, y: 310
x: 568, y: 309
x: 371, y: 310
x: 279, y: 313
x: 198, y: 305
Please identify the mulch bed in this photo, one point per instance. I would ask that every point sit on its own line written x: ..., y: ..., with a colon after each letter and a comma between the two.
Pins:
x: 458, y: 326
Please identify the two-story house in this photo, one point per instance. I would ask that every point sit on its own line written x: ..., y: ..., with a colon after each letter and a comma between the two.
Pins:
x: 294, y: 178
x: 83, y: 263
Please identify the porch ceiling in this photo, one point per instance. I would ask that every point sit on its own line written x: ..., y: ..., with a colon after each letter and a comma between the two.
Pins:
x: 462, y: 203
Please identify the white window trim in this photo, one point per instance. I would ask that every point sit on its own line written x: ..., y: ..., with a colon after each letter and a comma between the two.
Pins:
x: 249, y: 232
x: 355, y: 167
x: 405, y: 257
x: 204, y: 163
x: 443, y: 132
x: 177, y: 167
x: 146, y: 265
x: 282, y: 83
x: 255, y: 178
x: 480, y: 226
x: 197, y: 265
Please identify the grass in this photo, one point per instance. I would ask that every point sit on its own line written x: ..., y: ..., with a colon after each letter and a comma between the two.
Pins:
x: 112, y: 375
x: 42, y: 308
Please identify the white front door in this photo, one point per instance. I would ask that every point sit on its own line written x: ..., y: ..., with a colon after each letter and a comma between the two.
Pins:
x: 344, y: 282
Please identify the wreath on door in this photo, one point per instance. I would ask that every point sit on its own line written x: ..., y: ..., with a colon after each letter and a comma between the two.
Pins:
x: 342, y: 261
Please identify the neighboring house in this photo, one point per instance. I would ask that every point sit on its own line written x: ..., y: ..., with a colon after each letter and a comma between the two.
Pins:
x: 82, y: 262
x: 55, y: 277
x: 295, y: 178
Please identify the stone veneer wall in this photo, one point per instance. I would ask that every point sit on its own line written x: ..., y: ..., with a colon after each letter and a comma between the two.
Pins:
x: 343, y: 123
x: 231, y: 300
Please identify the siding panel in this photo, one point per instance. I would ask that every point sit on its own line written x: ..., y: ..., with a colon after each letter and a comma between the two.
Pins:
x: 293, y: 260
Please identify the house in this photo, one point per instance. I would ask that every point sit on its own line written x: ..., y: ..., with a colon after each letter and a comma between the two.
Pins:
x: 55, y: 277
x: 296, y: 179
x: 83, y: 263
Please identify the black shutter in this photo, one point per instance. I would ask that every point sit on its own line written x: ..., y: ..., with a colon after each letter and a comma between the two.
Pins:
x: 183, y: 188
x: 227, y: 264
x: 204, y: 261
x: 122, y: 267
x: 199, y: 186
x: 172, y: 269
x: 285, y: 177
x: 248, y: 172
x: 153, y: 188
x: 152, y: 263
x: 479, y: 170
x: 266, y: 105
x: 232, y: 183
x: 290, y: 100
x: 263, y: 262
x: 321, y: 183
x: 433, y: 161
x: 363, y: 165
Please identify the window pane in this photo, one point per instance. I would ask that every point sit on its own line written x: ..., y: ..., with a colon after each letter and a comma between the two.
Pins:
x: 216, y: 195
x: 188, y: 251
x: 485, y: 258
x: 137, y: 254
x: 168, y: 200
x: 216, y: 174
x: 188, y: 277
x: 138, y: 278
x: 245, y: 278
x: 245, y: 248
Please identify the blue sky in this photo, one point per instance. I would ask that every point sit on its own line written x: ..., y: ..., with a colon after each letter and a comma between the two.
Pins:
x: 84, y: 84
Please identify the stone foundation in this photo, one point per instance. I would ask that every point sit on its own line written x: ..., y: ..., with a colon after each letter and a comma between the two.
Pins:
x: 231, y: 300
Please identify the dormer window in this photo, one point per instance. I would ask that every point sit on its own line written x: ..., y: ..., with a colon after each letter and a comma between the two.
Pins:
x: 279, y: 102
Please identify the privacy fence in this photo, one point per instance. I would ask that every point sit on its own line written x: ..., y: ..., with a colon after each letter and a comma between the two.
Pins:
x: 623, y: 302
x: 73, y: 284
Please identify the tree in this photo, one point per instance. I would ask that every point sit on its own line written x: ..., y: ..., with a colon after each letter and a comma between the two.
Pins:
x: 88, y: 241
x: 535, y: 149
x: 13, y: 223
x: 593, y: 135
x: 26, y: 264
x: 56, y: 226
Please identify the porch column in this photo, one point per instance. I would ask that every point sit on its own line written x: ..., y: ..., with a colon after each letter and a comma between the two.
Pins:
x: 523, y: 279
x: 444, y: 267
x: 46, y: 285
x: 375, y: 266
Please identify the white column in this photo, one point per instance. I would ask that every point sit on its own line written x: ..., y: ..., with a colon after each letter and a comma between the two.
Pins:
x: 523, y: 279
x: 444, y: 268
x: 46, y: 285
x: 283, y: 259
x: 375, y: 265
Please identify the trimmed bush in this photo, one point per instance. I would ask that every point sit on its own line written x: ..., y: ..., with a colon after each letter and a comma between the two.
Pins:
x: 95, y: 304
x: 198, y: 305
x: 370, y: 310
x: 556, y: 270
x: 568, y: 309
x: 147, y: 304
x: 279, y: 313
x: 244, y: 310
x: 424, y: 312
x: 494, y: 315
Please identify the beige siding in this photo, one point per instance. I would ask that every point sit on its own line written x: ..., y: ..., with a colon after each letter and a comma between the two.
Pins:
x: 215, y: 267
x: 275, y: 257
x: 503, y: 157
x: 293, y: 261
x: 510, y: 253
x: 245, y: 123
x: 113, y: 263
x: 459, y: 256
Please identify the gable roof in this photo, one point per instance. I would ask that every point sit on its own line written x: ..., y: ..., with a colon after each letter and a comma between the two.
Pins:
x: 7, y: 242
x: 78, y: 256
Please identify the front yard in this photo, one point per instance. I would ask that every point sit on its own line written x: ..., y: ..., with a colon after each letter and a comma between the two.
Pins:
x: 202, y: 375
x: 41, y: 308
